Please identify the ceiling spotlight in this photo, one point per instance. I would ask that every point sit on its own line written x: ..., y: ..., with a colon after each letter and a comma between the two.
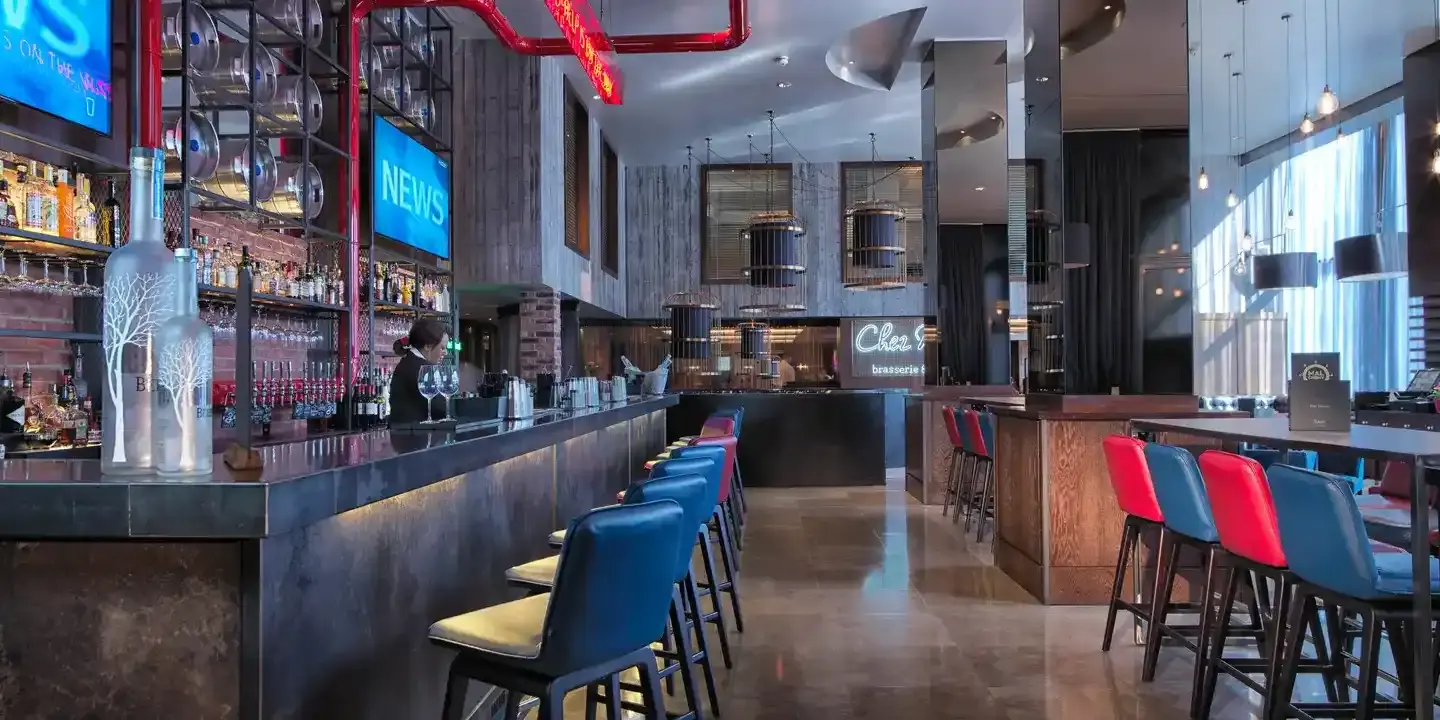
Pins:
x: 1042, y: 78
x: 782, y: 84
x: 597, y: 97
x: 849, y: 62
x: 980, y: 188
x: 782, y: 60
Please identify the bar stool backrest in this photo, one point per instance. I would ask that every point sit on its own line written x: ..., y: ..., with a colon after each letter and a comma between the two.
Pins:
x: 715, y: 454
x: 688, y: 490
x: 1322, y: 531
x: 1130, y: 477
x: 957, y: 439
x: 613, y: 584
x: 987, y: 432
x: 977, y: 437
x: 1181, y: 492
x: 727, y: 472
x: 717, y: 425
x: 1243, y: 507
x: 1395, y: 482
x: 738, y: 414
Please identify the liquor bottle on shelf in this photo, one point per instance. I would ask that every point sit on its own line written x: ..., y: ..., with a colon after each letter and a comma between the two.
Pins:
x: 49, y: 200
x: 110, y: 230
x: 184, y: 347
x: 8, y: 218
x: 85, y: 211
x: 12, y: 407
x: 34, y: 217
x: 139, y: 295
x: 65, y: 205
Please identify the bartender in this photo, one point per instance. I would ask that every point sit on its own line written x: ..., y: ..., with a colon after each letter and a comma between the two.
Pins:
x: 425, y: 345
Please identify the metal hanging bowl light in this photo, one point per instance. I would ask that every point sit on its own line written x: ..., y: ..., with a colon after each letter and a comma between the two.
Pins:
x: 1279, y: 271
x: 1364, y: 258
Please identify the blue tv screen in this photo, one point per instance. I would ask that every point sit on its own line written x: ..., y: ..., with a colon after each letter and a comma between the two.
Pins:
x: 410, y: 192
x: 56, y: 58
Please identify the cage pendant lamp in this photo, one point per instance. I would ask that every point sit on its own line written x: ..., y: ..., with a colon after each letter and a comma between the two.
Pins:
x: 694, y: 329
x: 874, y: 257
x: 774, y: 252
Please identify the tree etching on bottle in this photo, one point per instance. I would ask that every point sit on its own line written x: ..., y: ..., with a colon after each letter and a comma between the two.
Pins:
x: 133, y: 310
x: 181, y: 369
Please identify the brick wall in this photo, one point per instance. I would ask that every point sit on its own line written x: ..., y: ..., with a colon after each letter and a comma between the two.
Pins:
x: 539, y: 333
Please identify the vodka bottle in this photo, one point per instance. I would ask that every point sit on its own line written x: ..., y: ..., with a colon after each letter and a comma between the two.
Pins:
x: 184, y: 366
x: 139, y: 296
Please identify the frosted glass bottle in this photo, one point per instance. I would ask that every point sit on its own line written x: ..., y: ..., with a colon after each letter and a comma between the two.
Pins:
x: 184, y: 366
x: 139, y: 296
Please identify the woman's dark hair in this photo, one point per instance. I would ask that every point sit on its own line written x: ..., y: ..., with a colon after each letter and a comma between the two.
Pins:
x: 425, y: 333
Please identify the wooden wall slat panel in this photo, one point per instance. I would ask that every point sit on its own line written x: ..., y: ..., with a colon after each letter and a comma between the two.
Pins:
x: 662, y: 217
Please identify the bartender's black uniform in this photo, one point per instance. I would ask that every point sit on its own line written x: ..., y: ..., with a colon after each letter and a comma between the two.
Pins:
x: 407, y: 405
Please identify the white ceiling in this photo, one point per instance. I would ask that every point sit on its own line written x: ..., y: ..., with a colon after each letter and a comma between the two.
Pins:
x: 1367, y: 43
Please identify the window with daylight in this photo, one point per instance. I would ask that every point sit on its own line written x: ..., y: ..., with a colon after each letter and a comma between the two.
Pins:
x: 732, y: 194
x: 902, y: 183
x: 577, y: 174
x: 1338, y: 188
x: 611, y: 183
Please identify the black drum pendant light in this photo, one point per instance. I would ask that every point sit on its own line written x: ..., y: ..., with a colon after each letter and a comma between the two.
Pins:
x: 693, y: 318
x: 875, y: 239
x: 774, y: 251
x: 754, y: 340
x: 1364, y: 258
x: 1286, y: 270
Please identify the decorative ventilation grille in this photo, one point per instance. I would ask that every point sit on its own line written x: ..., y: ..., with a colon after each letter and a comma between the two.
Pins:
x: 902, y: 183
x: 1019, y: 203
x: 732, y: 193
x: 577, y: 174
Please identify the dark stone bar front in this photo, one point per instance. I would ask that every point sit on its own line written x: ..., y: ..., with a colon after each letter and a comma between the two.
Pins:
x: 302, y: 595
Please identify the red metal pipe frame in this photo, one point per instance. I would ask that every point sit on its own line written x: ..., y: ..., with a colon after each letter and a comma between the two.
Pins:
x: 150, y: 120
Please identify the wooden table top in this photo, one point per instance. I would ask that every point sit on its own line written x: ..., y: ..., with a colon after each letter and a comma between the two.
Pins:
x: 1362, y: 440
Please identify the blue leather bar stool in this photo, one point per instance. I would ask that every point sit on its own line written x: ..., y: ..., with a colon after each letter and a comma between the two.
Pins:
x: 1188, y: 522
x: 687, y: 485
x: 1335, y: 563
x: 613, y: 586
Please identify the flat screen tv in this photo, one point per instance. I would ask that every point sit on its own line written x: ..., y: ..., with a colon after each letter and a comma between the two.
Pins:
x: 410, y: 189
x: 55, y: 57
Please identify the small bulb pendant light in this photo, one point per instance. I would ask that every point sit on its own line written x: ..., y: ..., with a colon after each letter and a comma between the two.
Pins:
x: 1247, y: 243
x: 1203, y: 180
x: 1329, y: 102
x: 1291, y: 222
x: 1231, y: 199
x: 1307, y: 125
x: 1435, y: 163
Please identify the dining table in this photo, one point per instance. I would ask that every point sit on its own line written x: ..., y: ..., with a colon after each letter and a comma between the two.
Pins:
x: 1416, y: 448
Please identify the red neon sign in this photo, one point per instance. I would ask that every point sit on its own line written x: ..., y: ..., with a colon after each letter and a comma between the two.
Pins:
x: 590, y: 44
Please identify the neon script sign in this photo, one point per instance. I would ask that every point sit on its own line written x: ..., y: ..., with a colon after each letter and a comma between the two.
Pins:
x: 591, y: 46
x: 882, y: 338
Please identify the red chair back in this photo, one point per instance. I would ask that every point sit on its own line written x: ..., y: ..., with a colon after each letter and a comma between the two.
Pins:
x: 952, y: 428
x: 1395, y: 483
x: 972, y: 427
x: 1130, y: 477
x: 717, y: 426
x: 1243, y: 508
x: 728, y: 441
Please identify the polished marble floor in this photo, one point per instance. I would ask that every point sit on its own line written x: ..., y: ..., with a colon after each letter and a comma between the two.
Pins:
x: 863, y: 604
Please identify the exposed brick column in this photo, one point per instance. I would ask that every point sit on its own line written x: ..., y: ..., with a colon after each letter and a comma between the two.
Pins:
x: 539, y: 333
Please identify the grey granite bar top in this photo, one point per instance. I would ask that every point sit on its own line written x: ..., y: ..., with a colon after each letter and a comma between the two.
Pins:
x: 302, y: 482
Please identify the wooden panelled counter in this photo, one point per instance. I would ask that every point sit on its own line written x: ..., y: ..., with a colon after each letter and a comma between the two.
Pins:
x: 1058, y: 526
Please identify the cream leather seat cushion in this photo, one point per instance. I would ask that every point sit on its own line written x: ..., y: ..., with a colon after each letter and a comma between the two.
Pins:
x: 539, y: 572
x: 557, y: 538
x: 512, y: 629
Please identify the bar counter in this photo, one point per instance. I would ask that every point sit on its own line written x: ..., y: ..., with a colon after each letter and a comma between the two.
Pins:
x: 301, y: 593
x: 1058, y: 527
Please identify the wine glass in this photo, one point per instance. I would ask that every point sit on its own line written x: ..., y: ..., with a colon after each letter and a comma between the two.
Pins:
x: 449, y: 385
x: 429, y: 386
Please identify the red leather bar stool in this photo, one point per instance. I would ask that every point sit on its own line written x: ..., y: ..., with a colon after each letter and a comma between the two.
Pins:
x: 959, y: 459
x: 1244, y: 514
x: 1386, y: 507
x: 724, y: 426
x: 982, y: 472
x: 1135, y: 494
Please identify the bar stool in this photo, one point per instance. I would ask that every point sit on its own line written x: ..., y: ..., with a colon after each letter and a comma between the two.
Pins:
x: 718, y: 427
x: 1135, y: 494
x: 1188, y: 522
x: 738, y: 489
x: 959, y: 457
x: 1250, y: 538
x: 613, y: 585
x: 983, y: 474
x: 684, y: 482
x: 724, y: 509
x: 1386, y: 507
x: 1333, y: 562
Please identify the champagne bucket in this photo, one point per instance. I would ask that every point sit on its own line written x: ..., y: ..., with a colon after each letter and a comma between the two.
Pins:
x: 236, y: 166
x: 295, y: 183
x: 203, y: 145
x: 229, y: 82
x: 297, y: 105
x: 198, y: 32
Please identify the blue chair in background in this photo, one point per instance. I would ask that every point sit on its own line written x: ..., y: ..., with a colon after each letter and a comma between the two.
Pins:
x: 613, y: 586
x: 1335, y: 563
